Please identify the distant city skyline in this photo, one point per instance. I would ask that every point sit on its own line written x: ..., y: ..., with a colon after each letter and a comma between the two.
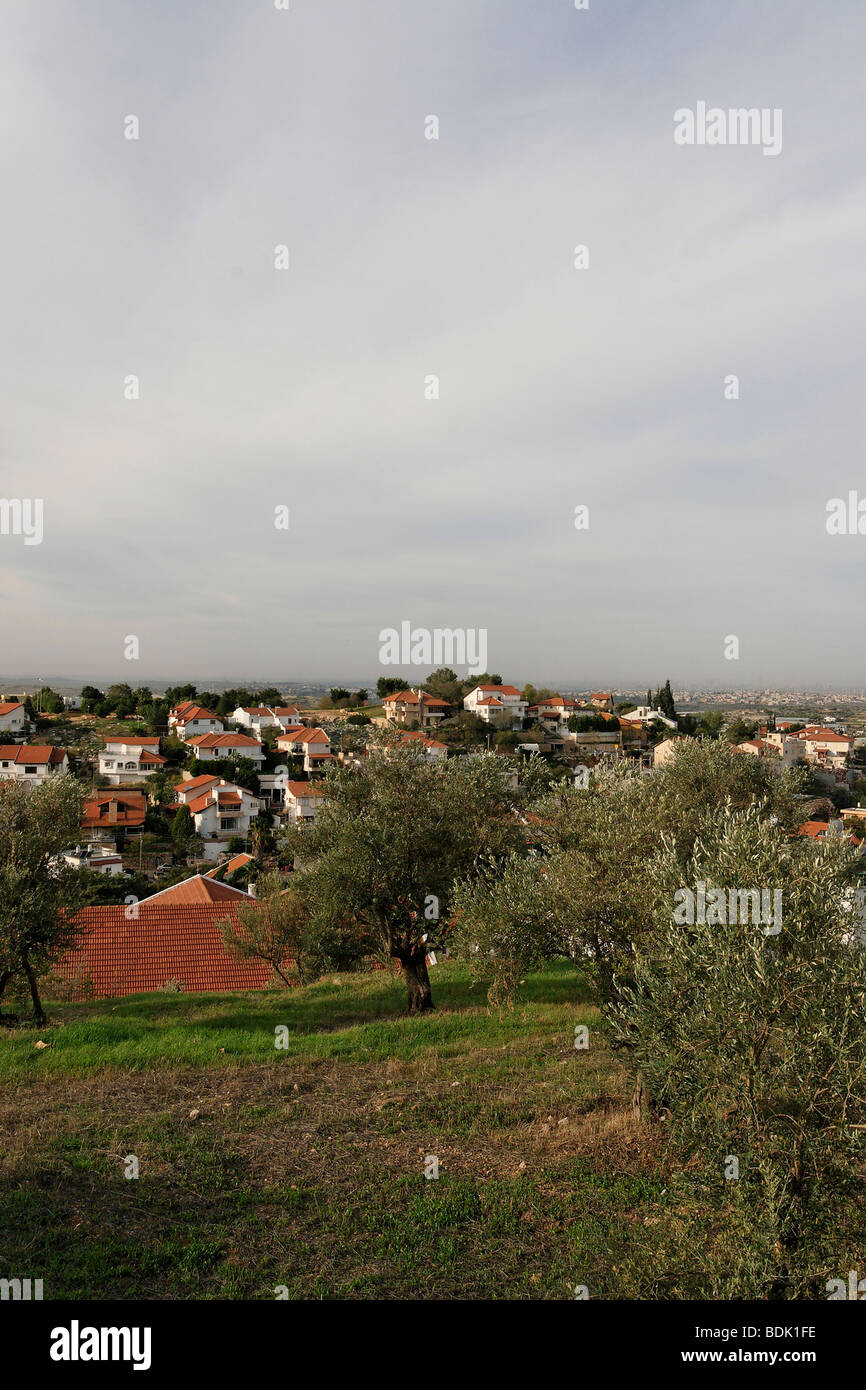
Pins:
x: 216, y: 684
x: 321, y: 320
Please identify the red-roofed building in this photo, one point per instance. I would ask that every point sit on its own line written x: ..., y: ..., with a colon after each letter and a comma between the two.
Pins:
x: 173, y: 937
x: 197, y: 889
x: 303, y: 800
x: 189, y: 720
x: 219, y: 809
x: 433, y: 749
x: 13, y: 720
x: 238, y: 861
x: 255, y: 717
x: 287, y: 716
x: 414, y: 706
x: 815, y: 829
x: 209, y: 747
x: 29, y: 762
x: 125, y: 759
x: 313, y: 744
x: 105, y: 815
x: 502, y: 705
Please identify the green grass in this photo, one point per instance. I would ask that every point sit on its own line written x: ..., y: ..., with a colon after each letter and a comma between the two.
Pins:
x: 350, y: 1016
x: 303, y: 1169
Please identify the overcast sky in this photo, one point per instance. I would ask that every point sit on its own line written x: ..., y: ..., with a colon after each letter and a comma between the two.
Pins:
x: 305, y: 387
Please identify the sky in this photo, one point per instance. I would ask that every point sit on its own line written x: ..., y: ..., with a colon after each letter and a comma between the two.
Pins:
x: 408, y: 257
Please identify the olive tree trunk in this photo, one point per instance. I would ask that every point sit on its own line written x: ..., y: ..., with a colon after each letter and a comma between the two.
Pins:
x: 415, y: 974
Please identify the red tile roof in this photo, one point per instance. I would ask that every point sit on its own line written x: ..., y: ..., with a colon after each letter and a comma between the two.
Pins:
x: 9, y: 705
x: 196, y: 783
x: 167, y: 941
x: 194, y: 712
x: 813, y: 828
x: 411, y: 697
x: 418, y: 737
x: 197, y: 889
x: 182, y: 709
x: 302, y: 735
x: 31, y: 753
x: 130, y: 810
x: 305, y: 789
x: 231, y: 866
x: 503, y: 689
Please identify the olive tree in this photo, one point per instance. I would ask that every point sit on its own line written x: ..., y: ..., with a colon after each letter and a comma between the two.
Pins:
x: 390, y: 841
x: 750, y: 1032
x: 39, y: 894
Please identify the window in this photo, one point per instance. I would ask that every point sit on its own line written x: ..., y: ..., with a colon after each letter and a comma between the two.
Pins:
x: 31, y: 771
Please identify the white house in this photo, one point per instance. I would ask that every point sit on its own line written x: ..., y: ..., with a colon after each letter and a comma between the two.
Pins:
x: 824, y: 747
x: 219, y: 809
x: 190, y: 720
x: 255, y: 717
x: 555, y: 707
x: 287, y: 716
x: 313, y: 744
x: 502, y: 705
x: 303, y: 800
x: 26, y: 762
x: 644, y: 714
x: 209, y: 747
x: 125, y: 759
x: 13, y: 720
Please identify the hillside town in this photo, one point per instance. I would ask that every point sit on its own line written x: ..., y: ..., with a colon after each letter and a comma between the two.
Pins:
x: 187, y: 801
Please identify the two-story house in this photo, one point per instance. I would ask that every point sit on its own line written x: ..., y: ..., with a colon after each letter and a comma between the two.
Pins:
x: 27, y: 762
x: 313, y: 744
x: 502, y: 705
x: 414, y: 707
x: 255, y: 717
x: 125, y: 759
x: 303, y: 800
x: 191, y: 720
x: 110, y: 817
x: 219, y: 810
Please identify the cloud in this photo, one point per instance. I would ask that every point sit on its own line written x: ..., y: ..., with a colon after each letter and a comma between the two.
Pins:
x: 412, y: 257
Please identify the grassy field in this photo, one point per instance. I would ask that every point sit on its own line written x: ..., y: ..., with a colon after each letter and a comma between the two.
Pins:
x: 303, y: 1168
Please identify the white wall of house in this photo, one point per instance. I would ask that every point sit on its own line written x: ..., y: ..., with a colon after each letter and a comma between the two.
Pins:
x: 257, y: 719
x: 14, y: 722
x: 14, y: 771
x: 210, y: 755
x: 221, y: 823
x: 121, y: 763
x: 200, y: 726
